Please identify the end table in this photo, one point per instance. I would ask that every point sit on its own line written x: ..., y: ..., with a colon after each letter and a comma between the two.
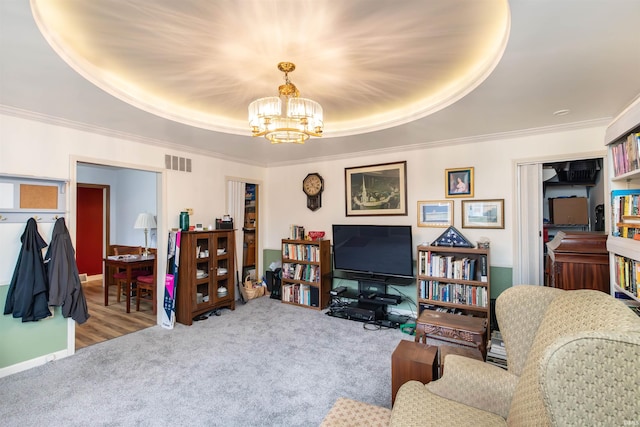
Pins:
x: 412, y: 361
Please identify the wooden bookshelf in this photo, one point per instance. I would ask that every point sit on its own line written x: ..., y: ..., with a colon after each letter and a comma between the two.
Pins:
x: 622, y: 139
x: 306, y: 273
x: 454, y: 279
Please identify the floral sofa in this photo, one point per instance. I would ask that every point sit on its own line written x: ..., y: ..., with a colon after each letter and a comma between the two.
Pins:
x: 573, y: 359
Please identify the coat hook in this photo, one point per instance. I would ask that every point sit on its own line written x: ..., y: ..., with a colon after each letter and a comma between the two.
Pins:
x: 37, y: 218
x: 3, y: 218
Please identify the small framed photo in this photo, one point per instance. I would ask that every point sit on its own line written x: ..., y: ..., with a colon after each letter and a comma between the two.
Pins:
x: 376, y: 189
x: 483, y: 213
x: 435, y: 213
x: 459, y: 182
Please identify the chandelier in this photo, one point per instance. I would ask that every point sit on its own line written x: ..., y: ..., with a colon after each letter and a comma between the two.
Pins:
x: 301, y: 118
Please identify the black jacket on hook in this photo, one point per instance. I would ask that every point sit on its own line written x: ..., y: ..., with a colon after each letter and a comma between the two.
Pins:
x: 65, y: 288
x: 28, y: 294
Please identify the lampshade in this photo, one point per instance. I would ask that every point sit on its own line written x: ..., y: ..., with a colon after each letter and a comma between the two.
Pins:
x: 145, y: 220
x: 287, y: 118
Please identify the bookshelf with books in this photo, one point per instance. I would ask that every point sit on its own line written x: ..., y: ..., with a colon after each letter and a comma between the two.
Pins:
x: 454, y: 279
x: 622, y: 139
x: 306, y: 272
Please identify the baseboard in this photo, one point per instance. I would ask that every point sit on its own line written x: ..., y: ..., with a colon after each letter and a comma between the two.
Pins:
x: 28, y: 364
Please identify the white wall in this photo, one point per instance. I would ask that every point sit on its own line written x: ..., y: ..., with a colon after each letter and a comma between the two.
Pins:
x: 34, y: 148
x: 282, y: 200
x: 493, y: 175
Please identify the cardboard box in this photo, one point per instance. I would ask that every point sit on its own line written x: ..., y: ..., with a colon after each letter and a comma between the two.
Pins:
x: 569, y: 210
x: 250, y: 220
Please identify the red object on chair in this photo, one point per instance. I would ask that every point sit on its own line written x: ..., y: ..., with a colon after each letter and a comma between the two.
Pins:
x: 121, y: 280
x: 145, y: 289
x: 146, y: 286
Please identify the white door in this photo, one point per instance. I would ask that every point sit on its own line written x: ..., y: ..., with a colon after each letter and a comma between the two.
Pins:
x: 529, y: 250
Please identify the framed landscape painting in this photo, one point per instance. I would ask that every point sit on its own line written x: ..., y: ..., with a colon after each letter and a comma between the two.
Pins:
x: 435, y: 213
x: 376, y: 189
x: 458, y: 182
x: 483, y: 213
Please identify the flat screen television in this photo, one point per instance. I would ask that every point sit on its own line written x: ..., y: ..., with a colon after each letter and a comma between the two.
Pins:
x: 373, y: 250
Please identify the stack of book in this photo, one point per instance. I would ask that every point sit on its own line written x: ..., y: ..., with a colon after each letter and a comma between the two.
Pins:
x: 497, y: 355
x: 296, y: 232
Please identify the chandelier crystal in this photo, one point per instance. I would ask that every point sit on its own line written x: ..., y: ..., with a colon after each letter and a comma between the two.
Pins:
x: 301, y: 118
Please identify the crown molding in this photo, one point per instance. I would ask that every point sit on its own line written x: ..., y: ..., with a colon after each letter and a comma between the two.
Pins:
x: 57, y: 121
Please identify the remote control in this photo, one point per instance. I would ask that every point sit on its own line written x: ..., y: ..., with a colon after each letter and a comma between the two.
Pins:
x: 338, y: 290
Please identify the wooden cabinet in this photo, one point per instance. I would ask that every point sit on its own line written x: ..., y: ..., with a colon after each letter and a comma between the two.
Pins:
x: 306, y: 273
x: 205, y: 274
x: 622, y: 139
x: 455, y: 280
x: 579, y: 260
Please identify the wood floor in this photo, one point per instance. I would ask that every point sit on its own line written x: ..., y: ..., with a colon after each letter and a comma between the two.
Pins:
x: 111, y: 321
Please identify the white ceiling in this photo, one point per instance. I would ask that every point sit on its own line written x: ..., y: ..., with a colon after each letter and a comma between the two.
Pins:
x: 363, y: 60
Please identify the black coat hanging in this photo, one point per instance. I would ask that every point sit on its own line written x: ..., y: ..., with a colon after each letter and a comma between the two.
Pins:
x: 28, y: 294
x: 65, y: 287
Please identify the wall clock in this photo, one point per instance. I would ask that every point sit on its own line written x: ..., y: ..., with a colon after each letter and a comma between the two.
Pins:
x: 313, y: 185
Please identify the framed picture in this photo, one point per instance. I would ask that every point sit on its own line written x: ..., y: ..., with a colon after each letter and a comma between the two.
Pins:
x: 376, y: 189
x: 459, y: 182
x: 435, y: 213
x: 483, y: 213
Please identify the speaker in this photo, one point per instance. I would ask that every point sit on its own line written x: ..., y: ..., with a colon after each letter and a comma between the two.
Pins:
x: 269, y: 279
x: 274, y: 282
x: 314, y: 299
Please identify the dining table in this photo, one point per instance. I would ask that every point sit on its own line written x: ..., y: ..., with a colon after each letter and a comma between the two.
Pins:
x: 128, y: 263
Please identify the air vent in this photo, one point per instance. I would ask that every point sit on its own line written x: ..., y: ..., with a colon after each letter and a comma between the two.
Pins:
x: 177, y: 163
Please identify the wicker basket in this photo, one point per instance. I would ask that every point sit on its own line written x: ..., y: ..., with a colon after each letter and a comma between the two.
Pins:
x: 252, y: 291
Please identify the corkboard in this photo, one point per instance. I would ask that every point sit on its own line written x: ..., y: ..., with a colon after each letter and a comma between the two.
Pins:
x: 38, y: 196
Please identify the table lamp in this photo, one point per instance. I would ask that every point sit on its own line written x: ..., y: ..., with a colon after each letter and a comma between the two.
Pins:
x: 145, y: 221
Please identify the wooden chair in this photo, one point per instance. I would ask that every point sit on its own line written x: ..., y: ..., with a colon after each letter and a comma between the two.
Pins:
x: 120, y: 276
x: 146, y: 286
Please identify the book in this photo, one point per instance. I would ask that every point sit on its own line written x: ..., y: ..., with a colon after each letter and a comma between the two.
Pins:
x: 623, y: 205
x: 483, y: 269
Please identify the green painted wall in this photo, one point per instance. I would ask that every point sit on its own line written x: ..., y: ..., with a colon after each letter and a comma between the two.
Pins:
x: 25, y: 341
x: 501, y: 279
x: 269, y: 256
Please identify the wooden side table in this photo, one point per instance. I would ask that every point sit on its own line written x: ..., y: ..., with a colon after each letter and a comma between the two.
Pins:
x: 456, y: 328
x: 412, y: 361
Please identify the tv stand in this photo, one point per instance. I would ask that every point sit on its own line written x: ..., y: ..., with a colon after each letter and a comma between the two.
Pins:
x: 368, y: 277
x: 368, y: 305
x: 371, y: 277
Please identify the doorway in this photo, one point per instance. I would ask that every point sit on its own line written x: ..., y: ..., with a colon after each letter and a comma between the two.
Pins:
x: 243, y: 204
x: 535, y: 186
x: 249, y: 250
x: 111, y: 209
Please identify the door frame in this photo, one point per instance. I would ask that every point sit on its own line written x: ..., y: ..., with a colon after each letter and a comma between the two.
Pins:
x: 259, y: 188
x: 521, y: 228
x: 161, y: 209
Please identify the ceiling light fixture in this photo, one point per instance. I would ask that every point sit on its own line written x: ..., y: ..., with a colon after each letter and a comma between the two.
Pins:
x: 301, y: 118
